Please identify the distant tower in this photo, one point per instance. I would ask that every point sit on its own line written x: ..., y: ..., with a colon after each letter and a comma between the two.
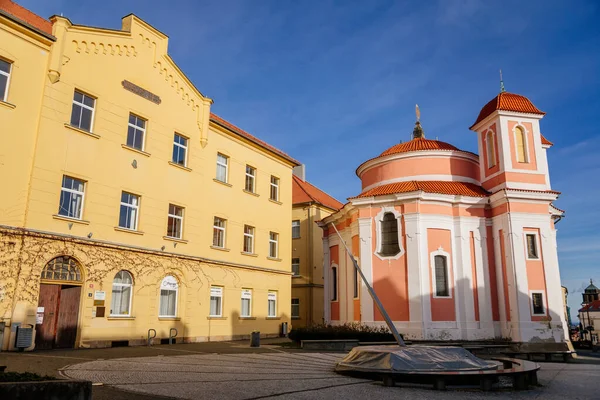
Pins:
x: 591, y: 293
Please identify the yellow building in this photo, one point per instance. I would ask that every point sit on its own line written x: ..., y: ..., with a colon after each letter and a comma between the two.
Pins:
x: 128, y: 208
x: 310, y: 204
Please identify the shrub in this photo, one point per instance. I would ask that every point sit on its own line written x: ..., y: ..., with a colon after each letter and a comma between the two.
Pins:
x: 23, y: 377
x: 356, y: 331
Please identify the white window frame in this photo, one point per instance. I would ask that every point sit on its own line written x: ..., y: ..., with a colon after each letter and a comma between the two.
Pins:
x: 379, y: 234
x: 489, y: 141
x: 218, y: 292
x: 222, y: 229
x: 185, y: 148
x: 225, y: 164
x: 276, y: 241
x: 246, y: 295
x: 93, y: 109
x: 176, y: 217
x: 296, y: 224
x: 525, y: 144
x: 297, y: 307
x: 252, y: 178
x: 537, y: 246
x: 176, y: 290
x: 276, y: 186
x: 4, y: 96
x: 271, y: 296
x: 298, y: 264
x: 130, y: 294
x: 531, y: 293
x: 251, y: 236
x: 440, y: 252
x: 134, y: 126
x: 135, y: 207
x: 73, y: 191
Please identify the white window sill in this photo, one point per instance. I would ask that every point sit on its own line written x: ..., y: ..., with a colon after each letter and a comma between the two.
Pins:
x: 168, y: 318
x: 174, y: 239
x: 70, y: 219
x: 219, y: 248
x: 251, y: 193
x: 183, y: 167
x: 217, y: 317
x: 296, y: 276
x: 7, y: 105
x: 248, y: 318
x: 135, y: 150
x: 273, y: 318
x: 275, y: 201
x: 222, y: 183
x: 273, y: 258
x: 76, y: 129
x: 121, y: 229
x: 249, y: 254
x: 119, y: 318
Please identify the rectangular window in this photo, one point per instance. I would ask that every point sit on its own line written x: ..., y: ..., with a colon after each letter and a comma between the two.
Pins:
x: 246, y: 303
x: 272, y: 302
x: 295, y: 308
x: 130, y: 205
x: 82, y: 113
x: 222, y: 162
x: 175, y: 222
x: 356, y: 283
x: 71, y: 197
x: 5, y: 68
x: 250, y: 177
x: 537, y: 302
x: 273, y: 244
x: 180, y: 145
x: 295, y: 229
x: 216, y: 301
x: 334, y: 284
x: 248, y: 239
x: 441, y: 276
x: 274, y: 188
x: 169, y: 287
x: 296, y: 266
x: 532, y: 250
x: 136, y: 132
x: 219, y: 232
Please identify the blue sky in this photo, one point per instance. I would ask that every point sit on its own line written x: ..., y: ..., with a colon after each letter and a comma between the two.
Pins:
x: 334, y: 83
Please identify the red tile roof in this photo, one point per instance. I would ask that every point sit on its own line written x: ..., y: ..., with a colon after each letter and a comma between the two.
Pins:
x: 304, y: 192
x: 419, y: 144
x: 228, y: 125
x: 508, y: 102
x: 441, y: 187
x: 546, y: 141
x: 593, y: 306
x: 23, y: 14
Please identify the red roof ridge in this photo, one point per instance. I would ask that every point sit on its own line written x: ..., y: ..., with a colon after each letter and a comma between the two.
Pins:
x: 314, y: 194
x: 251, y: 137
x: 506, y: 101
x: 439, y: 187
x: 23, y: 14
x: 593, y: 304
x: 546, y: 141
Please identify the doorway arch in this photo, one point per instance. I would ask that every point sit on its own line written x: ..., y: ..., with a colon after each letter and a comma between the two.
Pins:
x: 58, y: 304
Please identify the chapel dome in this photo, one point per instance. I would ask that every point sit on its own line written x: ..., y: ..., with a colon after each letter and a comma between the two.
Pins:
x: 419, y: 144
x: 506, y: 101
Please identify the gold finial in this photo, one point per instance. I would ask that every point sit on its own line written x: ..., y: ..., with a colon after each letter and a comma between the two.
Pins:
x: 417, y: 112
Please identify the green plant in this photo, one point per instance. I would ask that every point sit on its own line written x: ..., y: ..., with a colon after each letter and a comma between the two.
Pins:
x: 23, y: 377
x: 356, y: 331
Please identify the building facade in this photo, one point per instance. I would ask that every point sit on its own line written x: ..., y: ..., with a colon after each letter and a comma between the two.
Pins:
x: 589, y: 314
x: 310, y: 204
x: 128, y: 204
x: 458, y: 246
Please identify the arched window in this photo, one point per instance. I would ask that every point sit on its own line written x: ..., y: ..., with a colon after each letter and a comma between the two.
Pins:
x: 491, y: 153
x: 389, y: 235
x: 442, y: 288
x: 521, y: 144
x: 122, y: 291
x: 169, y: 289
x: 62, y: 268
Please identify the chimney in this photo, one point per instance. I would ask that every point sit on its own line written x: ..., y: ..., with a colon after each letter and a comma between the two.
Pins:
x: 300, y: 172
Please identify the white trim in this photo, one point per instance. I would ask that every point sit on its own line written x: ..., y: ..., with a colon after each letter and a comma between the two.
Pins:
x: 493, y: 134
x: 276, y: 241
x: 223, y: 164
x: 185, y: 148
x: 73, y: 191
x: 537, y: 244
x: 276, y: 186
x: 219, y: 228
x: 294, y: 226
x: 525, y: 144
x: 251, y: 236
x: 135, y: 127
x: 253, y: 178
x: 432, y: 177
x: 4, y: 96
x: 378, y: 221
x: 176, y: 290
x: 169, y: 215
x: 544, y: 303
x: 130, y: 285
x: 246, y: 294
x: 93, y: 109
x: 135, y: 207
x: 298, y: 264
x: 217, y: 293
x: 417, y: 154
x: 271, y: 293
x: 440, y: 252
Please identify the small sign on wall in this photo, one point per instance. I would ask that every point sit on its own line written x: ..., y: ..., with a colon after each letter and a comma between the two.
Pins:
x: 100, y: 295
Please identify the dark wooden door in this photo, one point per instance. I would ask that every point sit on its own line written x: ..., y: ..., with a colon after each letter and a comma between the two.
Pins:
x: 45, y: 332
x: 68, y: 314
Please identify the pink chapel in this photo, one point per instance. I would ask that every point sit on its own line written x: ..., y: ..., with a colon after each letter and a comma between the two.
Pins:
x: 458, y: 246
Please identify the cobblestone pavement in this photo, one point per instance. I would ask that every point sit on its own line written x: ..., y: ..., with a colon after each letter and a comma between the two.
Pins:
x: 300, y: 376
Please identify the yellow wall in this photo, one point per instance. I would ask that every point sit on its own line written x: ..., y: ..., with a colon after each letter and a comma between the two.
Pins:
x: 96, y: 61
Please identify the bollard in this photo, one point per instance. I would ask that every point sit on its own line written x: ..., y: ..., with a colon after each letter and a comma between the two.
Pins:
x: 255, y: 339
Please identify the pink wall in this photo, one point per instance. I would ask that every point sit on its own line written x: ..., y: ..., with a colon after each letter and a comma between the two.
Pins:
x: 536, y: 274
x: 474, y: 280
x: 334, y: 255
x: 504, y: 274
x: 539, y: 179
x: 407, y: 167
x: 531, y: 162
x: 442, y: 309
x: 495, y: 168
x: 492, y: 274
